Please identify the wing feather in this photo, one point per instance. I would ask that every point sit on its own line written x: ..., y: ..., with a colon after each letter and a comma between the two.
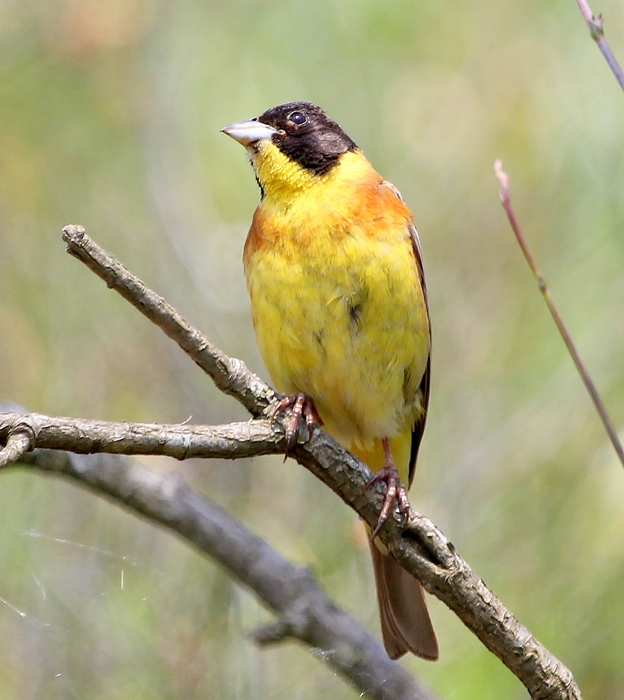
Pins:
x: 419, y: 425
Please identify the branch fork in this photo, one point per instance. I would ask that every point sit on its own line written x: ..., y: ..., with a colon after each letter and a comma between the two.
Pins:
x: 416, y: 543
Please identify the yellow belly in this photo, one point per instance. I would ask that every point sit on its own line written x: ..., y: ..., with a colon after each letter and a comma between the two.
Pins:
x: 342, y: 317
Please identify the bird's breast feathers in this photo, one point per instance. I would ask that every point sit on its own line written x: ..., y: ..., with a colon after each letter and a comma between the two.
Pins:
x: 338, y: 303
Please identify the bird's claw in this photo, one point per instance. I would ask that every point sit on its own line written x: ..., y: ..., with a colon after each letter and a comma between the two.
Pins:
x: 302, y: 407
x: 394, y: 493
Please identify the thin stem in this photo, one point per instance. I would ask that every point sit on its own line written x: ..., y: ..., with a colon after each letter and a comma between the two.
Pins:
x: 596, y: 29
x: 503, y: 179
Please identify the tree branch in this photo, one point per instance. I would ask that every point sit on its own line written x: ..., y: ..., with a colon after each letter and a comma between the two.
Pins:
x: 230, y: 375
x: 232, y: 441
x: 417, y: 544
x: 421, y: 548
x: 305, y: 612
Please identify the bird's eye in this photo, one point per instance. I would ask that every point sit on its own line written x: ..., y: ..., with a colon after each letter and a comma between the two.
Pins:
x: 297, y: 118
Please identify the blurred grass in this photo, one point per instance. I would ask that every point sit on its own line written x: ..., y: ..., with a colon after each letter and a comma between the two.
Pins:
x: 109, y: 117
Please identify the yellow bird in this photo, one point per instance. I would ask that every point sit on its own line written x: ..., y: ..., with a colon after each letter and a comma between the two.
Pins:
x: 334, y: 271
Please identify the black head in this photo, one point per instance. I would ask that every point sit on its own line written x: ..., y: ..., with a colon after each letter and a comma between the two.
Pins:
x: 307, y: 135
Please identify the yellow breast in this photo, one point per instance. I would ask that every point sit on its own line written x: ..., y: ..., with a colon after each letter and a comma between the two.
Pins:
x: 337, y: 302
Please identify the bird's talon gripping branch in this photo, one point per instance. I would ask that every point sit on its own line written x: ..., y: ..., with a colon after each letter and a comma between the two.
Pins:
x: 394, y: 489
x: 302, y: 407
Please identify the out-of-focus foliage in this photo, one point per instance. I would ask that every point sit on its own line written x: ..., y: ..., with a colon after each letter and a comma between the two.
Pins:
x: 109, y: 116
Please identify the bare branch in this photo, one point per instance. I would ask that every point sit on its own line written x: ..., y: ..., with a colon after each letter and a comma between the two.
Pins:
x: 230, y: 375
x: 305, y: 613
x: 232, y: 441
x: 421, y: 548
x: 503, y: 179
x: 468, y: 596
x: 418, y: 545
x: 596, y: 29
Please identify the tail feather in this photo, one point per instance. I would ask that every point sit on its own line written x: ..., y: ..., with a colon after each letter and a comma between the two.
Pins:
x: 405, y: 622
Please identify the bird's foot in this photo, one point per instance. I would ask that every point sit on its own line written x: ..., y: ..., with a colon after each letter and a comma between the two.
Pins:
x: 394, y: 489
x: 302, y: 408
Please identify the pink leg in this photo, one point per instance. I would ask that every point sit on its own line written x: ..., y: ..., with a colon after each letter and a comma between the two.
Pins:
x: 394, y: 489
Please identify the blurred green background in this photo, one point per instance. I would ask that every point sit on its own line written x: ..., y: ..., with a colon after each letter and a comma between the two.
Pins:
x: 110, y: 113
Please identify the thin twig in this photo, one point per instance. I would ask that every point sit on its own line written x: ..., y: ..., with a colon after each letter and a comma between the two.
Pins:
x: 503, y: 179
x: 596, y: 29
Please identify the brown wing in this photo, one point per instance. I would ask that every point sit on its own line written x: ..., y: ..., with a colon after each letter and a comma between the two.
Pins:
x: 419, y: 426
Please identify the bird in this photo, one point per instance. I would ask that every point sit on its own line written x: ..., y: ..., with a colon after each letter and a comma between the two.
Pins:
x: 333, y: 265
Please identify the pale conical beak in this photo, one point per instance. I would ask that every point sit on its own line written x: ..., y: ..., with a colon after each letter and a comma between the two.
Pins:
x: 249, y: 131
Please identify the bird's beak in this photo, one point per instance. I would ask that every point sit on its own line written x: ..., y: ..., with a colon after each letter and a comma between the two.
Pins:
x: 249, y: 131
